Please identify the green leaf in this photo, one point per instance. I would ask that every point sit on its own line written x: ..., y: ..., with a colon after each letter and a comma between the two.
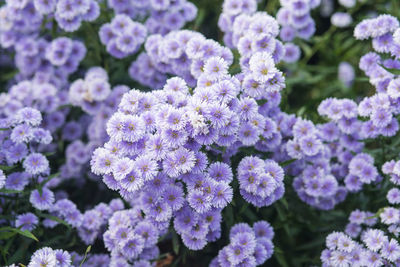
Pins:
x: 250, y: 214
x: 4, y: 249
x: 48, y: 179
x: 18, y: 255
x: 229, y: 216
x: 6, y: 235
x: 6, y: 168
x: 287, y: 162
x: 175, y: 243
x: 393, y: 71
x: 244, y: 207
x: 8, y: 76
x: 86, y: 253
x: 9, y: 191
x: 315, y: 243
x: 306, y: 48
x: 280, y: 257
x: 285, y: 203
x: 25, y: 233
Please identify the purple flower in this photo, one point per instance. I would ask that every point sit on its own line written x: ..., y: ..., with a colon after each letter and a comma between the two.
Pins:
x: 133, y: 246
x: 199, y: 201
x: 223, y: 195
x: 42, y: 200
x: 292, y: 53
x: 26, y: 221
x: 393, y: 196
x: 374, y: 239
x: 43, y: 257
x: 215, y: 68
x: 263, y: 229
x: 310, y: 145
x: 17, y: 181
x: 28, y: 115
x: 263, y: 67
x: 63, y: 258
x: 221, y: 172
x: 36, y: 163
x: 22, y: 133
x: 381, y: 117
x: 391, y: 250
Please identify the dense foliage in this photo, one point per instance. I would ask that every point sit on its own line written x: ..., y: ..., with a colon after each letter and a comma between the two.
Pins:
x: 199, y: 133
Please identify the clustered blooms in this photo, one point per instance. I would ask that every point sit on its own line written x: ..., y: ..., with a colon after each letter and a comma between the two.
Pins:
x: 249, y: 246
x: 132, y: 238
x: 50, y: 258
x: 99, y: 100
x: 261, y: 182
x: 46, y: 61
x: 251, y: 32
x: 32, y: 114
x: 69, y: 14
x: 19, y: 19
x: 20, y: 25
x: 342, y: 137
x: 295, y: 18
x: 23, y: 128
x: 375, y: 248
x: 122, y: 36
x: 162, y: 16
x: 181, y: 53
x: 41, y: 95
x: 161, y: 140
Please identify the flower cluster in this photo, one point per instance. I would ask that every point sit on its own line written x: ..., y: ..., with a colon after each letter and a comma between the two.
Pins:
x: 295, y: 19
x: 122, y: 36
x: 97, y: 98
x: 69, y: 14
x: 182, y: 53
x: 252, y: 32
x: 249, y: 246
x: 231, y: 10
x: 18, y: 19
x: 90, y: 92
x: 23, y: 128
x: 379, y: 28
x: 316, y: 182
x: 261, y: 182
x: 21, y: 17
x: 48, y: 61
x: 375, y: 248
x: 162, y: 16
x: 131, y: 238
x: 50, y: 258
x: 161, y: 140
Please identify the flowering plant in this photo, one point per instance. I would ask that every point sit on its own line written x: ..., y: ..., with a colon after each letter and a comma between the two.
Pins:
x: 194, y: 133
